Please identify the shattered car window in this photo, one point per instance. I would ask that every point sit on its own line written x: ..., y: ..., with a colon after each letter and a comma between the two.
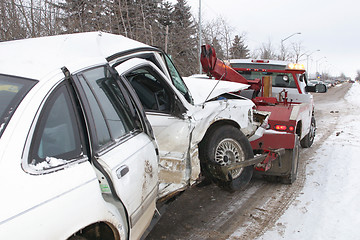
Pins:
x: 177, y: 80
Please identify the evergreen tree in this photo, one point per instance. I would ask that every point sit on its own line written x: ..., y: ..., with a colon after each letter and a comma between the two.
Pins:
x: 83, y: 16
x: 239, y: 49
x: 164, y: 22
x: 182, y: 39
x: 136, y: 19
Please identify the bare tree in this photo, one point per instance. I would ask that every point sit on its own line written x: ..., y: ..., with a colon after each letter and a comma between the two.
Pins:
x: 28, y: 18
x: 357, y: 78
x: 211, y: 30
x: 221, y: 31
x: 266, y: 51
x: 226, y: 33
x: 297, y: 49
x: 285, y: 54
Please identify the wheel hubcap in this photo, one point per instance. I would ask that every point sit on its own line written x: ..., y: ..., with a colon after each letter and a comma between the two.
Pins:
x: 229, y: 151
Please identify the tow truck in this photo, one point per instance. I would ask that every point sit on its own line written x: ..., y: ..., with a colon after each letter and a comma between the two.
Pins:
x: 281, y: 89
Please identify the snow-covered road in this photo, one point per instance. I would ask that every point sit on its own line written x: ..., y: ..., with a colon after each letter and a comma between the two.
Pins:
x: 328, y: 207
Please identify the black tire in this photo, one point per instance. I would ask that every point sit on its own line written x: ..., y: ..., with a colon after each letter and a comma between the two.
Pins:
x: 293, y: 156
x: 308, y: 140
x: 223, y: 145
x: 285, y: 170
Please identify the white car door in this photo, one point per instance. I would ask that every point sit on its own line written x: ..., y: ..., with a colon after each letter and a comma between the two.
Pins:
x: 171, y: 126
x: 123, y: 149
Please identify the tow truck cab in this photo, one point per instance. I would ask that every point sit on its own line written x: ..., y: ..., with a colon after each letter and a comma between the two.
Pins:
x: 285, y: 75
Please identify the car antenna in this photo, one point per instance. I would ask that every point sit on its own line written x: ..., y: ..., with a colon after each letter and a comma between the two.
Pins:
x: 214, y: 87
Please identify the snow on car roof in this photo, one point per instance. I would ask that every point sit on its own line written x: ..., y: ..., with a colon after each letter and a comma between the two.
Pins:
x: 37, y: 57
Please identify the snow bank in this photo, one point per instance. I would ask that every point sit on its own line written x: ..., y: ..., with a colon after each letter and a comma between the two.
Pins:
x: 353, y: 95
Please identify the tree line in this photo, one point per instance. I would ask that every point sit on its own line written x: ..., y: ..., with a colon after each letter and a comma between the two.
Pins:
x: 169, y: 26
x: 155, y: 22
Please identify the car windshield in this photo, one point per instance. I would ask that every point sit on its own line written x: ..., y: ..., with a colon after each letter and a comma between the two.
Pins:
x: 12, y: 91
x: 177, y: 80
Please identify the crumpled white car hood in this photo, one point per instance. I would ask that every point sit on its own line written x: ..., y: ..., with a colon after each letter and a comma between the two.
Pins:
x: 202, y: 88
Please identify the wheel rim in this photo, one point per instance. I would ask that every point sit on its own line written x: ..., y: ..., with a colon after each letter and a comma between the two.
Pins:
x: 312, y: 131
x: 229, y: 151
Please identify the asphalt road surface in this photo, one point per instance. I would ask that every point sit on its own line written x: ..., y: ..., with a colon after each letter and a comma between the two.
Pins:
x: 208, y: 212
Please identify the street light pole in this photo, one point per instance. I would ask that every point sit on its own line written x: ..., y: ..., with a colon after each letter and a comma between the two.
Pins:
x: 282, y: 43
x: 307, y: 62
x: 317, y: 63
x: 282, y: 40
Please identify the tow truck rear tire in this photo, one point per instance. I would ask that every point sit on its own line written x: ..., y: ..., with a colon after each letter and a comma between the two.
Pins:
x: 223, y: 145
x: 289, y: 163
x: 308, y: 140
x: 294, y: 155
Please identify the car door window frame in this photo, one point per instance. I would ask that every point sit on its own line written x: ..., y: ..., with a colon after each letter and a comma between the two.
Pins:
x: 78, y: 125
x: 99, y: 150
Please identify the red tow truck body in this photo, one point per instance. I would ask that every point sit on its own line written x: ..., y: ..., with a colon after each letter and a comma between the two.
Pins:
x: 280, y: 89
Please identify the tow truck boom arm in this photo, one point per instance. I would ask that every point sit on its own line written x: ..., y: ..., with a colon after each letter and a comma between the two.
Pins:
x: 218, y: 69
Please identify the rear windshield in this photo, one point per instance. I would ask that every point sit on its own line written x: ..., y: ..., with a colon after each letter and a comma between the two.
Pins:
x: 258, y: 66
x: 12, y: 91
x: 285, y: 80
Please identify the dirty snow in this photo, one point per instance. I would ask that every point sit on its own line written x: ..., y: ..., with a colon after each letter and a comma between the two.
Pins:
x: 329, y: 205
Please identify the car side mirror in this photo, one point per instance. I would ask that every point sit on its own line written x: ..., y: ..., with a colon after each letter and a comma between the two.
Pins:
x: 302, y: 77
x: 318, y: 88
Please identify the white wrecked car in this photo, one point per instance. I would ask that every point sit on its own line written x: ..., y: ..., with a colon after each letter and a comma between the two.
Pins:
x: 198, y: 125
x: 77, y: 153
x: 78, y: 158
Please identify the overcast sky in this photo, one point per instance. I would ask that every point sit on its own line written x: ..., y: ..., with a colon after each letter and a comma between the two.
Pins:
x: 332, y: 26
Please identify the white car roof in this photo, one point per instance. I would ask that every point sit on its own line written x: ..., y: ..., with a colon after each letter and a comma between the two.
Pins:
x: 37, y: 57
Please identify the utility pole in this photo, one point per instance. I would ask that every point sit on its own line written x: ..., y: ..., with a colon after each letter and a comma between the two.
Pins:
x: 317, y: 65
x: 166, y: 37
x: 200, y: 68
x: 307, y: 62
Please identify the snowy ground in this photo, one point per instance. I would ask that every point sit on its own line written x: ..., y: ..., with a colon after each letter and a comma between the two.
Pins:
x: 329, y: 205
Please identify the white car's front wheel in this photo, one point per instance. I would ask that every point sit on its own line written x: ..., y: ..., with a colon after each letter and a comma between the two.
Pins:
x: 225, y: 145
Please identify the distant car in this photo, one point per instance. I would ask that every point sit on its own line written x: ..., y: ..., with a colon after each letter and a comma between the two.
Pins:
x: 313, y: 82
x: 329, y: 83
x: 78, y: 159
